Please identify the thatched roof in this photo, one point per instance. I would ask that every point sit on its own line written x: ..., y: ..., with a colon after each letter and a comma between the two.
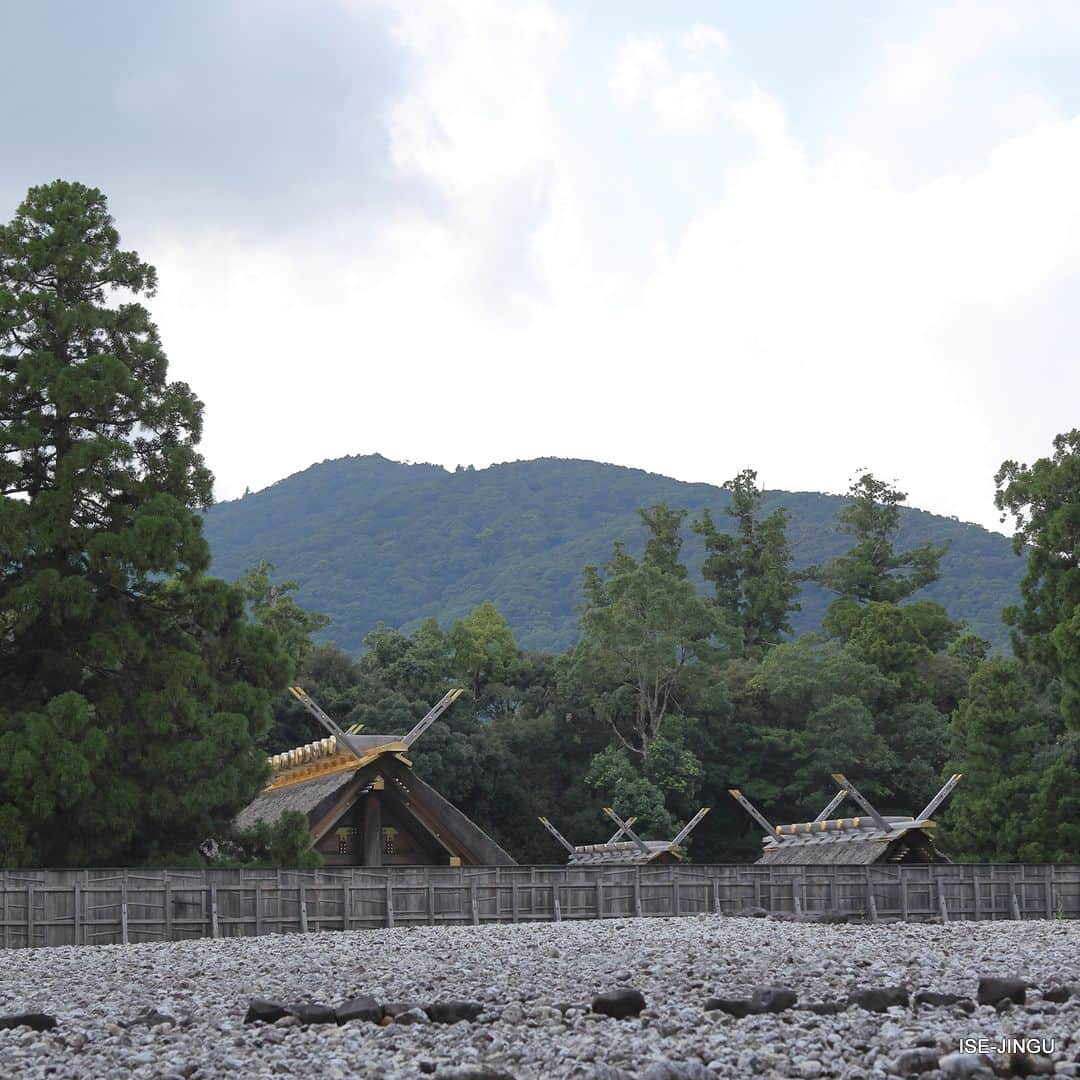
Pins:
x: 317, y: 796
x: 307, y: 797
x: 621, y: 854
x: 903, y: 844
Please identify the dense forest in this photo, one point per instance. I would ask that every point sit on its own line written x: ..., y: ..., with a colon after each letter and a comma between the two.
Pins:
x: 370, y: 540
x: 142, y: 693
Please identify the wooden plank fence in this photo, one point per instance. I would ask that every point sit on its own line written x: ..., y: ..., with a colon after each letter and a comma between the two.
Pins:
x: 97, y: 907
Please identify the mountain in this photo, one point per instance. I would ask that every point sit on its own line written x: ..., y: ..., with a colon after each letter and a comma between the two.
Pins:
x: 372, y: 540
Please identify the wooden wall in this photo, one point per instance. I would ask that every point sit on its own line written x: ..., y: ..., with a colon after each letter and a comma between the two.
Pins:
x: 94, y: 907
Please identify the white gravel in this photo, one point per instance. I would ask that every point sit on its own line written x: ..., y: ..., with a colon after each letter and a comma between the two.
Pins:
x: 525, y: 976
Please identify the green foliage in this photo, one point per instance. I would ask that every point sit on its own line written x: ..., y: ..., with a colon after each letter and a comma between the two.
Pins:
x: 271, y: 606
x: 482, y: 648
x: 1005, y: 740
x: 648, y: 639
x: 134, y: 687
x: 751, y: 569
x: 286, y: 844
x: 613, y: 774
x: 1044, y: 500
x: 370, y: 540
x: 821, y: 707
x: 873, y: 570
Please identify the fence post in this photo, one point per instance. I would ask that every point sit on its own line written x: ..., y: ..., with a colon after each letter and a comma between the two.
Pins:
x: 1048, y: 870
x: 676, y: 895
x: 213, y: 912
x: 303, y: 907
x: 941, y: 901
x: 76, y: 925
x: 389, y: 902
x: 903, y: 894
x: 514, y: 900
x: 168, y: 908
x: 1014, y: 902
x: 30, y: 916
x: 431, y: 903
x: 716, y: 895
x: 637, y: 891
x: 258, y: 908
x: 600, y: 896
x: 124, y: 910
x: 556, y: 906
x: 475, y: 911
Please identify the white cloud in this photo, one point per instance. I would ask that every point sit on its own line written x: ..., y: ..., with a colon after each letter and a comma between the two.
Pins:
x: 809, y: 313
x: 682, y: 98
x: 701, y: 38
x: 641, y: 67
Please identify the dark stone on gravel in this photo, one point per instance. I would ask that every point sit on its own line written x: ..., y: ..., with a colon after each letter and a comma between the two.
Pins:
x: 752, y: 913
x: 1025, y: 1064
x: 917, y: 1060
x: 265, y: 1010
x: 619, y: 1003
x: 825, y: 1008
x: 965, y: 1005
x: 879, y: 1000
x: 676, y: 1070
x: 313, y: 1014
x: 772, y: 999
x: 737, y: 1007
x: 37, y: 1021
x: 936, y: 1000
x: 1058, y: 995
x: 992, y: 990
x: 359, y: 1008
x: 450, y: 1012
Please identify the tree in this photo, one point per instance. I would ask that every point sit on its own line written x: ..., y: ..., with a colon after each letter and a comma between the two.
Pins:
x: 1044, y: 500
x: 664, y: 545
x: 872, y: 570
x: 285, y: 842
x: 751, y: 571
x: 134, y: 686
x: 482, y: 647
x: 272, y: 606
x: 1003, y: 741
x: 647, y: 639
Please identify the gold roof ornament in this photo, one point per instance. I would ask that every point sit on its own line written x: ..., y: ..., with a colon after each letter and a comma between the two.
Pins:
x: 345, y: 750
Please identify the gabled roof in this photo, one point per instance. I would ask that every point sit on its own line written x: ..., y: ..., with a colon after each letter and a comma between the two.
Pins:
x: 620, y: 854
x: 325, y: 796
x: 856, y: 840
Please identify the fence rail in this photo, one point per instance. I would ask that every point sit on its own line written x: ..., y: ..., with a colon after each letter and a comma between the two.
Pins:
x: 98, y: 907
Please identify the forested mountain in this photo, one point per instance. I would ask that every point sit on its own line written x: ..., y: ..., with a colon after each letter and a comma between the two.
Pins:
x: 370, y: 540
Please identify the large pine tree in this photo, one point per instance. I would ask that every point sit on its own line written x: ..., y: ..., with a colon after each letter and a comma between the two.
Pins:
x: 134, y: 685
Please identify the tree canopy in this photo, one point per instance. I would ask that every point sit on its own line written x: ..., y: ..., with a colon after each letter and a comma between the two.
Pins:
x: 135, y: 687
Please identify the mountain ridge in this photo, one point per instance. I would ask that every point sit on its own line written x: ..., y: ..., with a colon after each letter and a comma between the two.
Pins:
x: 369, y: 539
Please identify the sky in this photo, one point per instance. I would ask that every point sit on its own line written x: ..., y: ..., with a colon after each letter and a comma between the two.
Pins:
x: 688, y: 237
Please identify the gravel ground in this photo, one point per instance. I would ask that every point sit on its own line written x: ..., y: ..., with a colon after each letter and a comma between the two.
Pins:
x: 535, y: 983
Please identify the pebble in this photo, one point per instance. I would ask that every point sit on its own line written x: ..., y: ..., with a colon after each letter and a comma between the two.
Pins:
x: 534, y: 984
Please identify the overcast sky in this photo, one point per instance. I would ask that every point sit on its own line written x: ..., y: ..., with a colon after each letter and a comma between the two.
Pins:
x: 682, y: 236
